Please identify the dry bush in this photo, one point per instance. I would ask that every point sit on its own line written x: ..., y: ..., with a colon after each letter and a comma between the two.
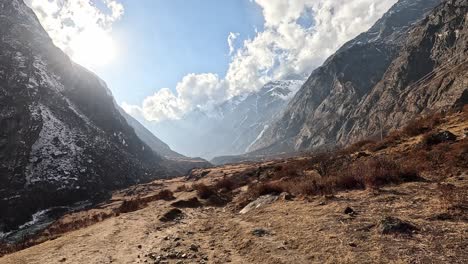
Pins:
x: 465, y: 111
x: 225, y: 184
x: 392, y: 139
x: 166, y: 195
x: 129, y: 206
x: 452, y: 198
x: 274, y: 187
x: 359, y: 146
x: 182, y: 188
x: 203, y: 191
x: 373, y: 173
x: 422, y: 125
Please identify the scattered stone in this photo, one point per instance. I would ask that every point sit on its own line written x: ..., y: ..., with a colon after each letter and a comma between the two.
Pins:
x: 439, y: 137
x: 173, y: 215
x: 286, y: 196
x: 260, y: 202
x: 194, y: 247
x: 393, y: 225
x: 349, y: 211
x: 260, y: 232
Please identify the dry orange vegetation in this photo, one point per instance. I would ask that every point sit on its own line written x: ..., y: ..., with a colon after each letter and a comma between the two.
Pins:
x: 399, y: 200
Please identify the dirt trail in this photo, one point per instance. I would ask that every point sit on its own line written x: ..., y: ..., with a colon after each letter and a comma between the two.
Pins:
x: 311, y: 230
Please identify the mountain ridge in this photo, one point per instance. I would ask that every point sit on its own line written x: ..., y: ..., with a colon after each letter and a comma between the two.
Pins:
x: 328, y: 109
x: 63, y: 140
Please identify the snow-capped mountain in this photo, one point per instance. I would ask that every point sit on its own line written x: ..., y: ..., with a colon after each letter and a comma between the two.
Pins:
x: 231, y: 127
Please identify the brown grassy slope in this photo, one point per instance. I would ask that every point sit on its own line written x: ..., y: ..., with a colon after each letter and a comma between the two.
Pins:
x: 424, y: 185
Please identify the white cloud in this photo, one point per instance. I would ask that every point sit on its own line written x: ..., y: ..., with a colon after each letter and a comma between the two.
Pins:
x: 80, y: 28
x: 231, y: 39
x: 201, y: 91
x: 298, y: 36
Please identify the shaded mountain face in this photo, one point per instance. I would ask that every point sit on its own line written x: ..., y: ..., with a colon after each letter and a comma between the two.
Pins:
x: 371, y: 83
x: 232, y: 127
x: 62, y: 139
x: 150, y: 139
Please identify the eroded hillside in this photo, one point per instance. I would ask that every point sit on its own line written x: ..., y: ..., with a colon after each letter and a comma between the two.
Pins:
x: 399, y: 200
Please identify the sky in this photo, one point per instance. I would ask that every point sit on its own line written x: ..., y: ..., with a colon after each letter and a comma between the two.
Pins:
x: 164, y: 58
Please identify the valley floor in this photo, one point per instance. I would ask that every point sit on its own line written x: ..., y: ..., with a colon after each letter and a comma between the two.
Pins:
x: 167, y: 221
x: 312, y: 230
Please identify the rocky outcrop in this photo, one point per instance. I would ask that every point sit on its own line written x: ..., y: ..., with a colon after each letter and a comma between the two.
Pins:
x: 373, y: 83
x: 62, y: 139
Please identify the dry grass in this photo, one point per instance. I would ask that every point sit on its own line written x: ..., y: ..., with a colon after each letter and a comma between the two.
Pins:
x: 370, y: 173
x: 204, y: 191
x: 452, y: 197
x: 422, y: 125
x: 183, y: 188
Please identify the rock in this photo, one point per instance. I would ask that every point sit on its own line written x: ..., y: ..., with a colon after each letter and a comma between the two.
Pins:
x: 260, y: 202
x: 194, y: 247
x: 349, y: 211
x: 260, y: 232
x: 286, y: 196
x: 439, y: 137
x: 139, y: 246
x: 352, y: 244
x: 173, y: 215
x: 393, y: 225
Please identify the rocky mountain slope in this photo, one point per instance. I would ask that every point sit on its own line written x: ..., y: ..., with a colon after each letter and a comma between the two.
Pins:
x: 149, y: 138
x: 231, y: 127
x: 306, y: 209
x: 372, y: 84
x: 62, y: 139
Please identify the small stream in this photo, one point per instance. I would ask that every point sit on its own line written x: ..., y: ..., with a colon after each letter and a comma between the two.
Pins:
x: 40, y: 221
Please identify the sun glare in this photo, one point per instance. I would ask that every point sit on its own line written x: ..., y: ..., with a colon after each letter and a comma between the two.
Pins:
x: 93, y: 48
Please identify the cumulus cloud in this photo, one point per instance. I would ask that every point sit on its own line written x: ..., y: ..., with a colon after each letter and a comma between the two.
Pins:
x: 298, y: 36
x: 201, y: 91
x: 231, y: 40
x: 79, y: 27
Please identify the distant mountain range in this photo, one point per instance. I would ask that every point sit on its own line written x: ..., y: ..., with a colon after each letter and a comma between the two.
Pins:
x: 231, y: 127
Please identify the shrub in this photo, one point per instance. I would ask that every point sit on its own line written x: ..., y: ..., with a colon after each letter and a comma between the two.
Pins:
x: 130, y: 206
x: 359, y: 146
x: 452, y: 198
x: 422, y: 125
x: 182, y: 188
x: 166, y: 195
x: 431, y: 139
x: 225, y: 184
x: 260, y: 189
x: 375, y: 173
x: 203, y: 191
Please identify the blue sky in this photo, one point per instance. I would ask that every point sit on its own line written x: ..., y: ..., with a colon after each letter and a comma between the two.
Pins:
x: 164, y: 58
x: 159, y: 42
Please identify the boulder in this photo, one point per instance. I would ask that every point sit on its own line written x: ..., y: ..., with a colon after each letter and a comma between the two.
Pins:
x: 260, y: 202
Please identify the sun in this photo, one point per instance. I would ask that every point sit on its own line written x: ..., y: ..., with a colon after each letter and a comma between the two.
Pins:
x: 93, y: 48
